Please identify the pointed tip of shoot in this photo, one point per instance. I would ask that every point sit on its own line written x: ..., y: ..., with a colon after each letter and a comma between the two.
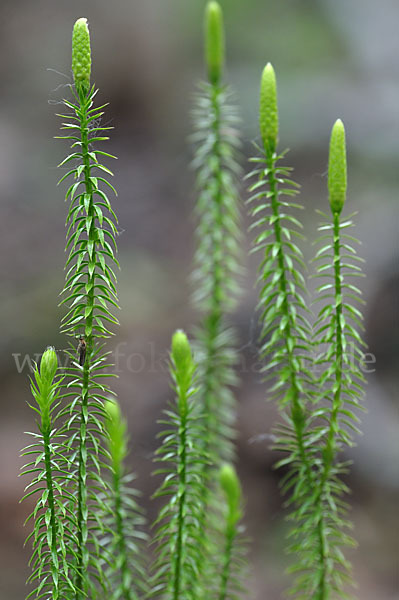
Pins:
x: 268, y: 112
x: 49, y: 364
x: 337, y: 180
x: 81, y: 55
x: 214, y: 41
x: 231, y: 487
x: 116, y: 429
x: 181, y: 351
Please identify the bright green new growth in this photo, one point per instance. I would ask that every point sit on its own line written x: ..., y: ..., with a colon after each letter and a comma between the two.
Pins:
x: 183, y: 361
x: 179, y: 526
x: 214, y: 42
x: 268, y: 113
x: 231, y: 487
x: 116, y: 428
x: 337, y: 167
x: 81, y: 55
x: 233, y: 549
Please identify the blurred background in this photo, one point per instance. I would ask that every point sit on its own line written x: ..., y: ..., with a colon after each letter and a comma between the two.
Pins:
x: 333, y: 58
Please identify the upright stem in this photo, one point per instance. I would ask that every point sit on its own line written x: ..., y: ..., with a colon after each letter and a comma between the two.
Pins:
x: 330, y: 447
x: 181, y: 521
x: 226, y: 572
x: 51, y: 505
x: 124, y: 567
x: 297, y: 410
x: 214, y: 316
x: 82, y: 551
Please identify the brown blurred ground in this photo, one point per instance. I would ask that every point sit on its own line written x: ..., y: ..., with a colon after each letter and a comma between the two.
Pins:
x: 333, y: 59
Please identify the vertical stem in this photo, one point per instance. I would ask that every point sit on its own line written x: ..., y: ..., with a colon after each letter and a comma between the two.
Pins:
x: 121, y: 544
x: 178, y: 561
x: 297, y: 409
x: 214, y: 316
x: 330, y: 447
x: 82, y: 551
x: 230, y: 535
x: 51, y: 505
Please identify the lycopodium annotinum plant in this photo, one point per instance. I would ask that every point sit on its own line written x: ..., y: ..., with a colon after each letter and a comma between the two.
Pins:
x: 90, y: 295
x: 216, y: 263
x: 340, y: 383
x: 86, y: 525
x: 285, y: 330
x: 53, y: 530
x: 179, y: 526
x: 316, y: 403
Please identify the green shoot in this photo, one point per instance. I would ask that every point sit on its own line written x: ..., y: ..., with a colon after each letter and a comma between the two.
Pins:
x: 180, y: 522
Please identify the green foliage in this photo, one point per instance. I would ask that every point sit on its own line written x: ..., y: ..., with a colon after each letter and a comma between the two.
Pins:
x: 216, y: 263
x: 340, y: 380
x: 215, y: 280
x: 315, y: 406
x: 285, y: 330
x: 90, y: 295
x: 180, y: 522
x: 124, y: 519
x: 52, y: 532
x: 87, y: 532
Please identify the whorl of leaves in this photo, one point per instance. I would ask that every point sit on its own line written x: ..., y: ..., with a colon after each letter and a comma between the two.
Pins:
x: 90, y: 295
x: 216, y: 262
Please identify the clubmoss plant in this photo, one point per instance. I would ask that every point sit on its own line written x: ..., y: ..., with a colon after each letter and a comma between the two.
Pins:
x: 179, y: 524
x: 316, y: 406
x: 340, y: 384
x: 127, y: 578
x: 218, y: 234
x: 52, y: 534
x: 90, y: 294
x: 285, y: 330
x: 87, y: 527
